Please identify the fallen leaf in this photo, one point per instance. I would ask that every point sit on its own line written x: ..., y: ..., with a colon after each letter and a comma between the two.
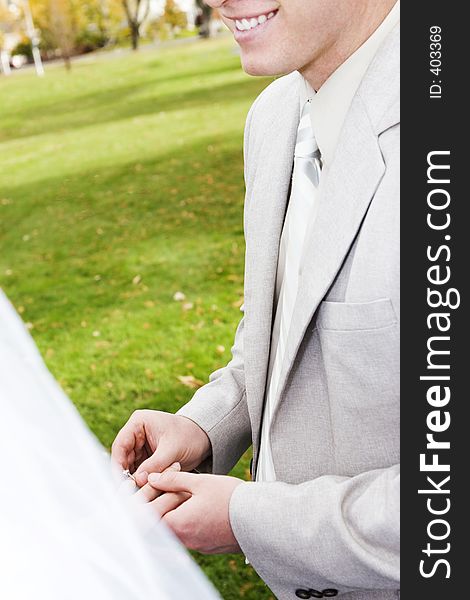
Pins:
x: 238, y: 302
x: 190, y: 381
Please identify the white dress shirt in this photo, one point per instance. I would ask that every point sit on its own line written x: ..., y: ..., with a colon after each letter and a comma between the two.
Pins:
x: 329, y: 107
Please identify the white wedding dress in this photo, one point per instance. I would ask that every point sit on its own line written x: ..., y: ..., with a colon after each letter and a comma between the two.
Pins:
x: 66, y: 533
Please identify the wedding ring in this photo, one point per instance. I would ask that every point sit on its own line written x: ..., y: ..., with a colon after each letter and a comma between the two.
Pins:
x: 128, y: 475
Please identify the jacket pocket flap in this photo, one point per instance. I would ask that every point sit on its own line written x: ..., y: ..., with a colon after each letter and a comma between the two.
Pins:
x: 353, y: 316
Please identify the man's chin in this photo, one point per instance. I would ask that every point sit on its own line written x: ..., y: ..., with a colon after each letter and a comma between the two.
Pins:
x: 260, y: 67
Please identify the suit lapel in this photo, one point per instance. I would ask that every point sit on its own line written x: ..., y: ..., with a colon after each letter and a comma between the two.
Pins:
x: 266, y: 202
x: 349, y: 188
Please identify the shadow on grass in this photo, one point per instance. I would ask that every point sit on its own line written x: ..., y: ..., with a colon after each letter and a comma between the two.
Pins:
x: 174, y: 220
x: 105, y: 106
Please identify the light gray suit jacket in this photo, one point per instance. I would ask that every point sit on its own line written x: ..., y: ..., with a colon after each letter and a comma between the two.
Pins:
x: 332, y: 519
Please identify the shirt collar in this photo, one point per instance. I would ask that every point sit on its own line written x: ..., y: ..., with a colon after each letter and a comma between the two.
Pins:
x: 329, y: 106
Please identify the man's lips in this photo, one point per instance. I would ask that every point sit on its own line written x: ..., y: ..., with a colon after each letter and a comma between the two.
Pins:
x: 244, y: 23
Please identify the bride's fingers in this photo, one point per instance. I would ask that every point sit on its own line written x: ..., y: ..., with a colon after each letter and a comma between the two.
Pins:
x: 127, y: 488
x: 169, y: 501
x: 147, y: 493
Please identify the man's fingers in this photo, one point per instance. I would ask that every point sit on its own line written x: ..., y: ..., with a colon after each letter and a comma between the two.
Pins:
x: 140, y: 456
x: 147, y: 493
x: 171, y: 481
x: 130, y: 439
x: 169, y: 501
x: 122, y: 447
x: 160, y: 460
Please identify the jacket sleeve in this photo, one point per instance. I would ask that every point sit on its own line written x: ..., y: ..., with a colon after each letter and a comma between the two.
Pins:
x: 220, y: 407
x: 330, y: 533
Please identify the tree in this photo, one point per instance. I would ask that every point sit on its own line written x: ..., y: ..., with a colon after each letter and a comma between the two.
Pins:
x: 59, y: 22
x: 173, y: 18
x: 63, y: 27
x: 9, y: 23
x: 204, y: 18
x: 70, y: 27
x: 103, y: 23
x: 136, y: 13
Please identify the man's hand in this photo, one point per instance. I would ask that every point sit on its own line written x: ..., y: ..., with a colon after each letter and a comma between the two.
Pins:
x: 196, y: 509
x: 152, y: 440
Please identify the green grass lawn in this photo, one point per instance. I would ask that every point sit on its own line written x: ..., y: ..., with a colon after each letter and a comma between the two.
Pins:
x: 121, y: 184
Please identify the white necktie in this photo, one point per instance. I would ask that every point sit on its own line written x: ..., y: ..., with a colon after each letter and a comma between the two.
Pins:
x: 300, y: 214
x: 307, y: 165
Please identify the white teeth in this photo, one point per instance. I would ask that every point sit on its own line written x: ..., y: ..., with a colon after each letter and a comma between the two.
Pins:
x: 246, y: 24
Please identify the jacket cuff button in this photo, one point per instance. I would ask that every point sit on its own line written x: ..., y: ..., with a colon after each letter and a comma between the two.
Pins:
x: 315, y: 594
x: 301, y: 593
x: 330, y: 592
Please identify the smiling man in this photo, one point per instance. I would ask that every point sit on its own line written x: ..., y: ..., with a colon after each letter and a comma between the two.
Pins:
x: 313, y: 383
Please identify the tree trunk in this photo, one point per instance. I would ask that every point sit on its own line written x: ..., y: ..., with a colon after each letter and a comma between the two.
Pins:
x: 67, y: 61
x: 135, y: 36
x: 205, y: 15
x: 135, y: 18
